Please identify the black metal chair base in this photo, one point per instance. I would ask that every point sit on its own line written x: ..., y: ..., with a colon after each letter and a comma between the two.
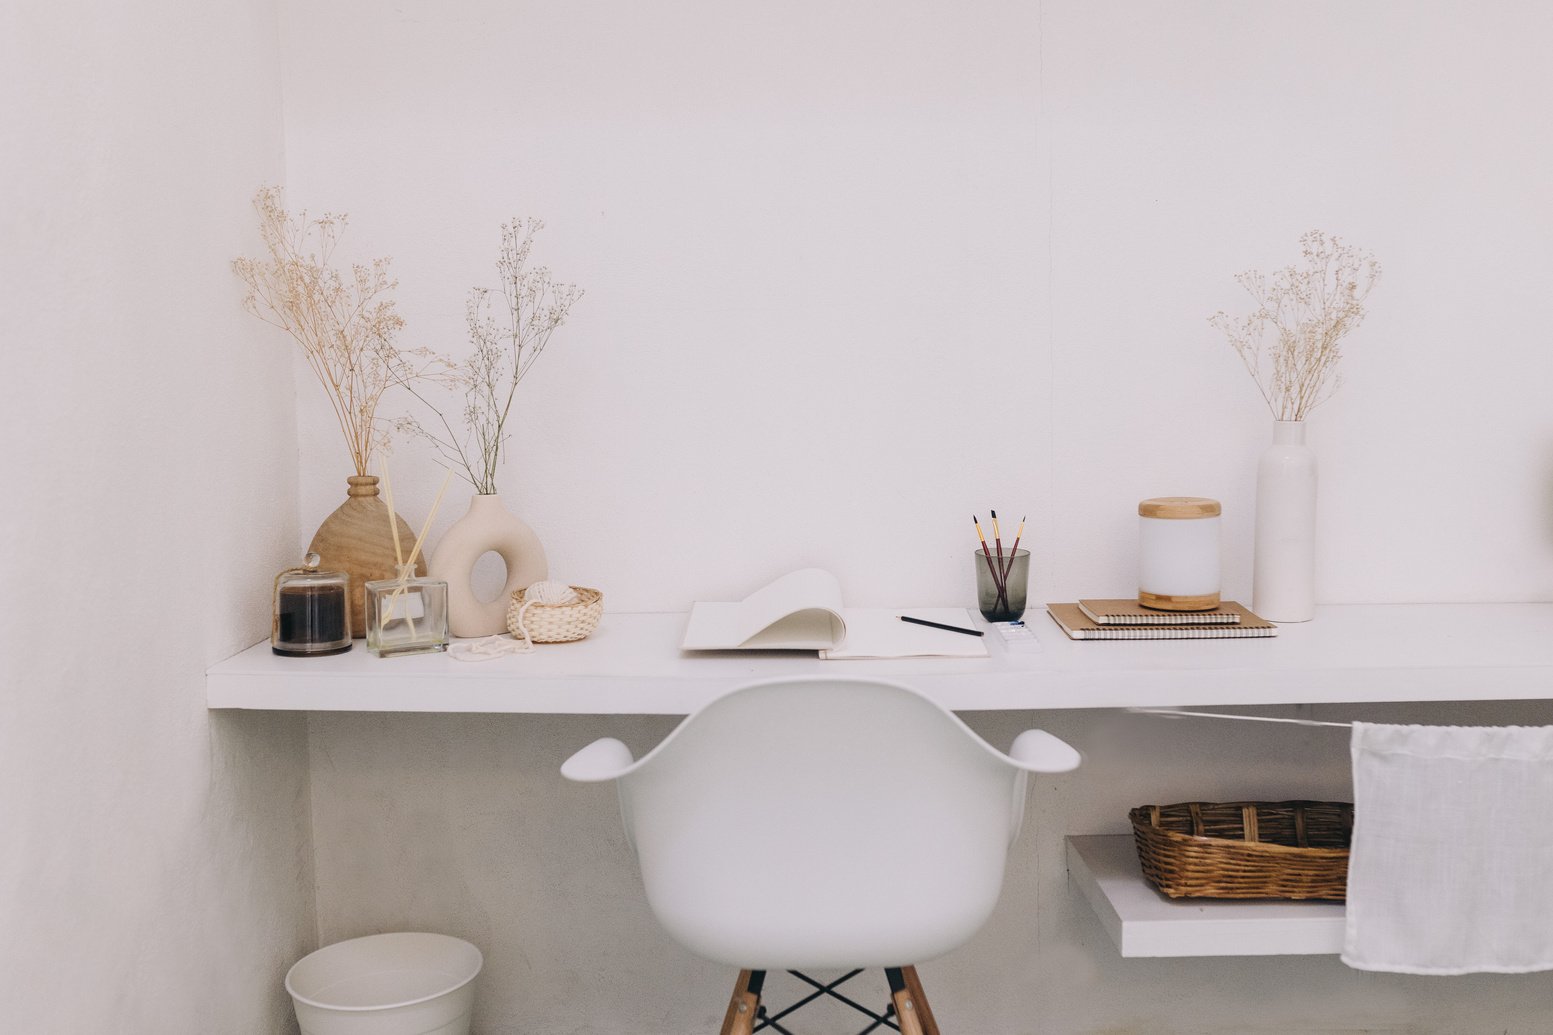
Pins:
x: 765, y: 1019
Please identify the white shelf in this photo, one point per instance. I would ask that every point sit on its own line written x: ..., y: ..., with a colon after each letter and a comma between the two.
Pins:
x: 632, y: 665
x: 1142, y: 922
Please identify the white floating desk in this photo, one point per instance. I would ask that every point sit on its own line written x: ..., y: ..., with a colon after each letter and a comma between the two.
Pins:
x: 632, y: 666
x: 1142, y: 922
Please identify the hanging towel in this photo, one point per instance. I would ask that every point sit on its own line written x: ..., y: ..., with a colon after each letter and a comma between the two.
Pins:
x: 1452, y: 864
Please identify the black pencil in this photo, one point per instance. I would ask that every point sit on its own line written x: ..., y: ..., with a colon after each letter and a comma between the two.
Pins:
x: 938, y: 625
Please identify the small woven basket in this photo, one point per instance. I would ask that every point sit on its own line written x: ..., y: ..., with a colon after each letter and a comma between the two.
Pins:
x: 557, y: 623
x: 1246, y: 849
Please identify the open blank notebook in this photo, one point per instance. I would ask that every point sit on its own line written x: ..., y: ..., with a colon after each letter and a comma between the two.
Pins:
x: 802, y: 611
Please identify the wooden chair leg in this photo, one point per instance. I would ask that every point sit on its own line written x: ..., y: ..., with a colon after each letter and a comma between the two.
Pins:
x: 906, y: 1013
x: 740, y: 1019
x: 919, y: 1000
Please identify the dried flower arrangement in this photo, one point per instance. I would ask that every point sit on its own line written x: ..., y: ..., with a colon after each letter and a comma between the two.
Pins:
x: 505, y: 347
x: 1306, y: 312
x: 345, y: 322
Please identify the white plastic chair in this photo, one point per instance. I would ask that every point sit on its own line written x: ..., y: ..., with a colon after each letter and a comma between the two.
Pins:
x: 820, y: 824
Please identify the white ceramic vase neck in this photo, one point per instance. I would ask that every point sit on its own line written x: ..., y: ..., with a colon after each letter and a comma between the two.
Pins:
x: 488, y: 527
x: 1284, y: 566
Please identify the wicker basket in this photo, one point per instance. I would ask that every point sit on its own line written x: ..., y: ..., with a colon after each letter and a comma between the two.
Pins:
x: 1245, y: 849
x: 557, y: 623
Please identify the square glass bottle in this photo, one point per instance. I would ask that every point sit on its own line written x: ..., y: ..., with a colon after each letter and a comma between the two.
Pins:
x: 407, y: 615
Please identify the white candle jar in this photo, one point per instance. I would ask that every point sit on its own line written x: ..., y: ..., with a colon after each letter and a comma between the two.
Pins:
x: 1178, y: 565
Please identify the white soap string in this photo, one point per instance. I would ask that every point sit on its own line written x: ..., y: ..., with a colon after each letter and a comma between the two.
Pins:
x: 489, y: 648
x: 546, y: 593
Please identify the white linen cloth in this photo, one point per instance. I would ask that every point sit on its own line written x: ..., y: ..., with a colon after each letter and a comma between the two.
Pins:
x: 1451, y: 870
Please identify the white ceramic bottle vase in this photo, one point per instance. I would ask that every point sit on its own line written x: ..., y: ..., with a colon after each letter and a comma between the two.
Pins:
x: 489, y: 527
x: 1283, y: 586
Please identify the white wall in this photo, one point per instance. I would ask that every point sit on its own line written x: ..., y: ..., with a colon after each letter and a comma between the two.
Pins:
x: 856, y: 271
x: 1189, y: 141
x: 809, y: 241
x: 458, y: 823
x: 155, y: 858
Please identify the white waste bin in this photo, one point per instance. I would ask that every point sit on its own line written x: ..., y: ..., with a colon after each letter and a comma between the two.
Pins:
x: 386, y: 984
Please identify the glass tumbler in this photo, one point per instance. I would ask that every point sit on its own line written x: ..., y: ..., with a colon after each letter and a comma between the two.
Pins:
x: 1001, y: 589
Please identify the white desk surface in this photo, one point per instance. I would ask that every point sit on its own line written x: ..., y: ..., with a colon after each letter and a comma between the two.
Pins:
x: 632, y: 666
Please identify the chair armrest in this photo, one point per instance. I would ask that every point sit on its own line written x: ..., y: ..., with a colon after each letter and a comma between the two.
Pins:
x: 604, y: 759
x: 1037, y: 751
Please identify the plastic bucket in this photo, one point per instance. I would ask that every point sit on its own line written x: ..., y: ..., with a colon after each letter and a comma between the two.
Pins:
x: 386, y: 984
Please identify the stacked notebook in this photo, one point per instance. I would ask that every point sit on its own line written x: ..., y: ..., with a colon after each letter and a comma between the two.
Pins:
x: 1130, y: 620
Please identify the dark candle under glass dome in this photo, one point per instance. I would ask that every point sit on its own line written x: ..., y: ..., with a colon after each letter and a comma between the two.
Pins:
x: 310, y: 617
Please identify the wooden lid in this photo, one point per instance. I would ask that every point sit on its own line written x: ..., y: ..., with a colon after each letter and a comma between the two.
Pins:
x: 1179, y: 507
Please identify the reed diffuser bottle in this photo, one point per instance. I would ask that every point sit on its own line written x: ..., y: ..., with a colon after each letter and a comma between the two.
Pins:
x: 407, y: 615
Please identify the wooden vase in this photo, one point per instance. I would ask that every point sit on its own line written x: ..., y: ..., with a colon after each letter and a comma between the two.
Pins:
x: 357, y: 540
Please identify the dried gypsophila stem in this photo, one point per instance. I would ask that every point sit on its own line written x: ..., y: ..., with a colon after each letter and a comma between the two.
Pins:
x: 1291, y: 343
x: 505, y: 347
x: 345, y: 322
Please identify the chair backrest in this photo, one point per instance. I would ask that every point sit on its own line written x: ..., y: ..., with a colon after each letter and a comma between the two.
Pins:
x: 822, y: 823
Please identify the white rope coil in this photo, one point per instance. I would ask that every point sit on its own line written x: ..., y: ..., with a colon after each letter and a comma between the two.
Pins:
x: 549, y: 594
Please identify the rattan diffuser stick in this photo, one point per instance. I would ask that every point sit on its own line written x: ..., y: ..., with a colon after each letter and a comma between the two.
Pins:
x: 388, y: 497
x: 407, y: 566
x: 399, y: 569
x: 415, y: 551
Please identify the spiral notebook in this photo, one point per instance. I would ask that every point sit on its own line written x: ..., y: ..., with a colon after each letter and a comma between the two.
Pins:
x: 1130, y: 612
x: 1078, y: 626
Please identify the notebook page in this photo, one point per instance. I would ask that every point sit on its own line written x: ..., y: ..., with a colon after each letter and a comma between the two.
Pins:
x: 880, y: 633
